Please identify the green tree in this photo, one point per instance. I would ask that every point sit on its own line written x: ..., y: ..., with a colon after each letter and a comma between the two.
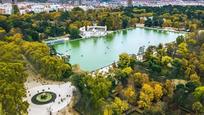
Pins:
x: 124, y: 60
x: 53, y: 68
x: 74, y: 32
x: 146, y: 96
x: 195, y: 78
x: 169, y: 88
x: 140, y: 79
x: 119, y: 106
x: 15, y: 9
x: 158, y: 91
x: 12, y: 78
x: 199, y: 92
x: 179, y: 39
x: 166, y: 60
x: 182, y: 49
x: 129, y: 93
x: 198, y: 107
x: 94, y: 90
x: 125, y: 22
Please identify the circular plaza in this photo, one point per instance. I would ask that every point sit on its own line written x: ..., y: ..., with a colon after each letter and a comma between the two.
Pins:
x: 49, y: 99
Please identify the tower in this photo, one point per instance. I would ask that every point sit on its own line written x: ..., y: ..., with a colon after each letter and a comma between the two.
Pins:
x: 129, y: 3
x: 13, y: 1
x: 80, y: 2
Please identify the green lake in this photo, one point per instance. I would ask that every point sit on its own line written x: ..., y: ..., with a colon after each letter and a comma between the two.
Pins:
x: 94, y: 53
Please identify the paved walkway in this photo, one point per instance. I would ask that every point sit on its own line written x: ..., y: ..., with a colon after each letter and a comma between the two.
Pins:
x: 64, y: 94
x: 35, y: 83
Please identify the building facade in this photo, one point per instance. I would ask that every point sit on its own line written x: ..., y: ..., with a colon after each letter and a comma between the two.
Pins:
x: 8, y: 1
x: 6, y: 8
x: 130, y: 3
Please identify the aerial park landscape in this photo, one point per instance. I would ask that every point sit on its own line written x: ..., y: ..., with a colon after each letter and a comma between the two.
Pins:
x: 101, y: 59
x: 106, y: 50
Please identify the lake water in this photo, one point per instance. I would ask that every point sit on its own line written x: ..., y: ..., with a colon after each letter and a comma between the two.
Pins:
x: 94, y: 53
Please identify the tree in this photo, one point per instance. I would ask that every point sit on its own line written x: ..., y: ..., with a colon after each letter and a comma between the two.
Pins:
x: 193, y: 27
x: 108, y: 110
x: 51, y: 67
x: 148, y: 22
x: 182, y: 49
x: 99, y: 86
x: 199, y: 93
x: 177, y: 67
x: 157, y: 21
x: 129, y: 93
x: 124, y: 60
x: 149, y: 52
x: 1, y: 110
x: 169, y: 88
x: 64, y: 16
x: 158, y: 91
x: 166, y: 60
x: 179, y: 40
x: 94, y: 91
x: 15, y: 9
x: 2, y: 33
x: 12, y: 78
x: 127, y: 70
x: 74, y: 32
x: 167, y: 23
x: 140, y: 79
x: 133, y: 21
x: 31, y: 35
x: 125, y: 22
x: 158, y: 108
x: 198, y: 107
x: 195, y: 78
x: 119, y: 106
x: 123, y: 74
x: 10, y: 53
x: 154, y: 65
x: 54, y: 68
x: 146, y: 96
x: 113, y: 21
x: 171, y: 50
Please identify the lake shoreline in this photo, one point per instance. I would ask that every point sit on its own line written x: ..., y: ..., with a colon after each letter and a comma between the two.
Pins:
x: 87, y: 52
x: 119, y: 30
x: 106, y: 68
x: 164, y: 29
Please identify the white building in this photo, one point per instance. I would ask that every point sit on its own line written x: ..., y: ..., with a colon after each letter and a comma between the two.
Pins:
x: 93, y: 31
x: 39, y: 8
x: 25, y: 7
x: 55, y: 7
x: 9, y: 1
x: 6, y: 8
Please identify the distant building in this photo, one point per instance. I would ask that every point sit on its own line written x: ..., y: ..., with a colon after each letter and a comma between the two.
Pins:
x: 26, y: 7
x: 9, y: 1
x: 93, y: 31
x: 54, y: 1
x: 83, y: 2
x: 78, y: 2
x: 130, y: 3
x: 6, y: 8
